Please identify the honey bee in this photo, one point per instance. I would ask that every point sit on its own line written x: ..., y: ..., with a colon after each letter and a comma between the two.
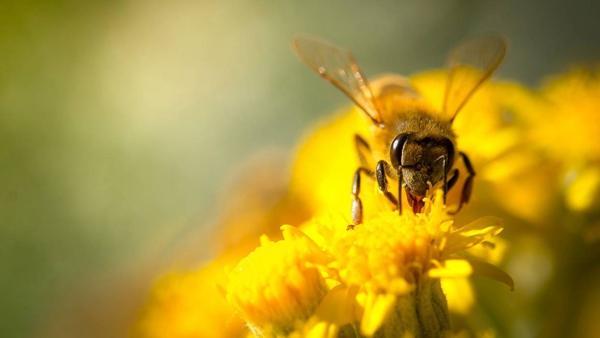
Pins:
x: 412, y: 144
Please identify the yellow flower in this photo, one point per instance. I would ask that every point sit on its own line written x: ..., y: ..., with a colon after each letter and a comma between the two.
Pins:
x: 557, y: 154
x: 384, y: 275
x: 188, y: 304
x: 391, y: 255
x: 278, y: 285
x: 567, y: 131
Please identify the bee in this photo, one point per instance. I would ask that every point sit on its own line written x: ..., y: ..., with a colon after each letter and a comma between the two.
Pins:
x: 412, y: 144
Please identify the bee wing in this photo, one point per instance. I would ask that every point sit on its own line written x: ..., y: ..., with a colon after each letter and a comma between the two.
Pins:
x: 339, y: 68
x: 470, y: 65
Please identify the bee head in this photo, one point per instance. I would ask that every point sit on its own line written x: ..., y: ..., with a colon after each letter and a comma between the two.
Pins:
x: 421, y: 160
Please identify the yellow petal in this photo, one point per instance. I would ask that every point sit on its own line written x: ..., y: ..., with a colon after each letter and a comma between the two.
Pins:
x: 338, y: 306
x: 459, y: 294
x: 491, y: 250
x: 186, y: 304
x: 452, y: 268
x: 323, y: 330
x: 377, y: 308
x: 316, y: 328
x: 491, y: 271
x: 472, y: 234
x: 482, y: 225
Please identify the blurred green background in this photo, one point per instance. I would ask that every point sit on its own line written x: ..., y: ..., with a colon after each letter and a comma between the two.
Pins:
x: 120, y: 120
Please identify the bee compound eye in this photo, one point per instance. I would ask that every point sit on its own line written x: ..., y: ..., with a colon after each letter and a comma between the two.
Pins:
x: 396, y: 149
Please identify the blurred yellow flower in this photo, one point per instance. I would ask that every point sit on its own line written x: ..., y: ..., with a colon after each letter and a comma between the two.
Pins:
x: 188, y: 304
x: 556, y: 153
x: 568, y: 132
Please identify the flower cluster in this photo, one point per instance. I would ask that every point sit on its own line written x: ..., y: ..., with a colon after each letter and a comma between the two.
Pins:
x: 379, y: 279
x: 394, y: 275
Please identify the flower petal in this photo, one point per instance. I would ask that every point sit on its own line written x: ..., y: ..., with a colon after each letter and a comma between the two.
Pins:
x: 338, y: 306
x: 472, y: 234
x: 377, y: 308
x: 452, y: 268
x: 459, y: 294
x: 491, y: 271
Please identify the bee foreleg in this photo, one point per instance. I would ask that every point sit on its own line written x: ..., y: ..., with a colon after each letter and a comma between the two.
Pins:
x: 381, y: 173
x: 357, y: 207
x: 465, y: 195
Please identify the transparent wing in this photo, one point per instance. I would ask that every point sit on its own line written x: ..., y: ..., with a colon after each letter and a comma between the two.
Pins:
x: 338, y: 67
x: 470, y: 65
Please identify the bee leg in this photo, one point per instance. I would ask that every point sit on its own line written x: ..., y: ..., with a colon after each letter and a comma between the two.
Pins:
x: 362, y: 149
x: 452, y: 180
x: 381, y: 175
x: 357, y: 207
x: 465, y: 195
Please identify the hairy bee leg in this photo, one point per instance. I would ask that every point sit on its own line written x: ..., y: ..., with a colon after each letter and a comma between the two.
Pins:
x: 362, y: 148
x: 357, y: 207
x: 452, y: 180
x: 471, y: 175
x: 381, y: 174
x: 465, y: 195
